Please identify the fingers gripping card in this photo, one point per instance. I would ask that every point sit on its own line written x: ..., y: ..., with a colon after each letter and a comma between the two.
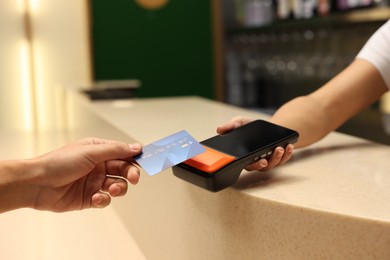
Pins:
x: 167, y: 152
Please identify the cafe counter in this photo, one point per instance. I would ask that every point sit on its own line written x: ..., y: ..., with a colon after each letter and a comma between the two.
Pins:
x: 330, y: 201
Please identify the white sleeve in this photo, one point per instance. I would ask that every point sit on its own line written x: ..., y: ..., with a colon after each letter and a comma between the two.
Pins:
x: 377, y: 51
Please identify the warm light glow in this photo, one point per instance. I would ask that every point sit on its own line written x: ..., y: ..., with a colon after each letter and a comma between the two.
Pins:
x: 21, y: 6
x: 152, y: 4
x: 42, y: 61
x: 38, y: 58
x: 33, y: 5
x: 39, y: 84
x: 26, y: 79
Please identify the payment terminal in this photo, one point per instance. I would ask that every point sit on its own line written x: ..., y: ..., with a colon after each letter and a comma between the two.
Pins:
x: 228, y: 154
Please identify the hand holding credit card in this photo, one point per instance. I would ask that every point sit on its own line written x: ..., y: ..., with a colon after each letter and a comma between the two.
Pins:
x: 167, y: 152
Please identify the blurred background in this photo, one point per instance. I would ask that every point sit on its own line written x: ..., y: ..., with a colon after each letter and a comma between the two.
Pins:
x: 256, y: 54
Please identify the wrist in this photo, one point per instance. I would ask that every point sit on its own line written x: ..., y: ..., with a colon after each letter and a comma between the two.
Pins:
x: 18, y: 185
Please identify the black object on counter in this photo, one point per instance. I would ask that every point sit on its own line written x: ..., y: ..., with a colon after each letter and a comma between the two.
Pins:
x: 245, y: 144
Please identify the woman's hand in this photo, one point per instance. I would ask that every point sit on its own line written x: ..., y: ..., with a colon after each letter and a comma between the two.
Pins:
x: 280, y: 155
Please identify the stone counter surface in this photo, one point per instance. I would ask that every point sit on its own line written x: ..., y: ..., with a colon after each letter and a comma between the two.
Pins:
x: 331, y: 201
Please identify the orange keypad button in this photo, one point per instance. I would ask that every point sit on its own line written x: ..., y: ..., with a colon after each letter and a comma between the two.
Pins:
x: 210, y: 161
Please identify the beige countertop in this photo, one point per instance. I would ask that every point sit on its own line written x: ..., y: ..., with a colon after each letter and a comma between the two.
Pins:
x: 329, y: 202
x: 340, y: 174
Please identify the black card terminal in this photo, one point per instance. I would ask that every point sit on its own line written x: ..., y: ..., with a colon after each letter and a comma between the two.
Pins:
x: 228, y: 154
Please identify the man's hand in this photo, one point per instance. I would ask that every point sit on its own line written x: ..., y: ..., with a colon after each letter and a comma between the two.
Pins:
x: 84, y: 174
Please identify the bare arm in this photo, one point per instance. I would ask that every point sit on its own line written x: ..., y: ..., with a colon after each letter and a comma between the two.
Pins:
x: 80, y: 175
x: 324, y: 110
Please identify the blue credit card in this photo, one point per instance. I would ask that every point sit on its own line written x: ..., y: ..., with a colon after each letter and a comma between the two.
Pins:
x: 167, y: 152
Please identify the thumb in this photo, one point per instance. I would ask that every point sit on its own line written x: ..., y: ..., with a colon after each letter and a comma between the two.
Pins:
x: 227, y: 127
x: 113, y: 150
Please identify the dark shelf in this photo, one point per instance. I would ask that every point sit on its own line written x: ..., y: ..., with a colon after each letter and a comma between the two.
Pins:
x: 366, y: 15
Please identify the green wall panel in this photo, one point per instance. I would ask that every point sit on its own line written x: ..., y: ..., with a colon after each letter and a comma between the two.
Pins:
x: 169, y: 50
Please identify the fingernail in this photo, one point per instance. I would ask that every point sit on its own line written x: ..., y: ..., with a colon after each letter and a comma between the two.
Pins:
x: 135, y: 147
x: 263, y: 163
x: 116, y: 191
x: 98, y: 200
x: 279, y: 153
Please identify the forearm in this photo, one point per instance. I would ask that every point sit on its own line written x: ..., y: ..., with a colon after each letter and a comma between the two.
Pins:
x: 323, y: 111
x: 304, y: 115
x: 16, y: 189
